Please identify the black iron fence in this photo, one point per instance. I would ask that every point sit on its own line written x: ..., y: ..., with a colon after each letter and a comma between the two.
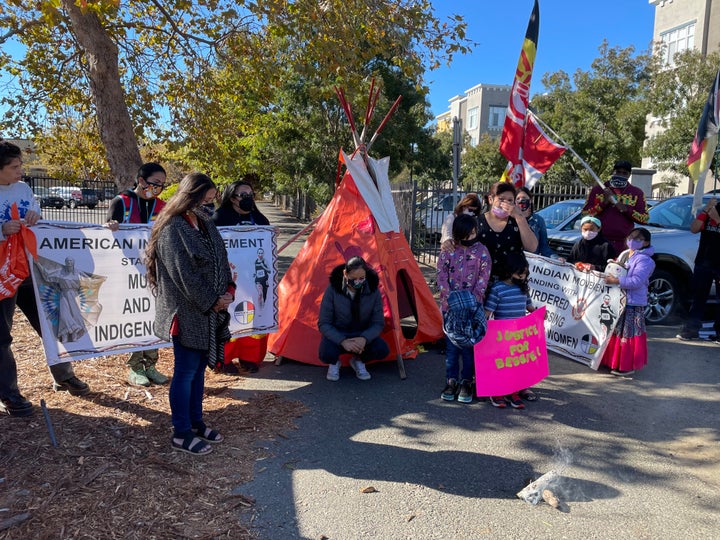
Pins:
x: 422, y: 211
x: 84, y: 202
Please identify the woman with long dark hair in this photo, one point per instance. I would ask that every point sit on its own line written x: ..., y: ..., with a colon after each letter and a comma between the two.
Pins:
x: 189, y: 273
x: 237, y: 206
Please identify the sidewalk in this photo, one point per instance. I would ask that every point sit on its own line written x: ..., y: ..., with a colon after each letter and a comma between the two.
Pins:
x: 638, y: 458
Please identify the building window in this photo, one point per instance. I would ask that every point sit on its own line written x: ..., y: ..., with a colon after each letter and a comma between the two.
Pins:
x: 497, y: 117
x: 473, y: 118
x: 676, y: 40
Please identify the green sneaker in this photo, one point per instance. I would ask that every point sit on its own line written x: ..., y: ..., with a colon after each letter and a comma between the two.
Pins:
x: 155, y: 376
x: 137, y: 377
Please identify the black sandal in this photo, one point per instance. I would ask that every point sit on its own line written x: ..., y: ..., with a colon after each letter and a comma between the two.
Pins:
x: 192, y: 445
x: 207, y: 434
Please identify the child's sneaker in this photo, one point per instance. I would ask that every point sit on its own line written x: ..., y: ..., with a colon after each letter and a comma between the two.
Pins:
x: 515, y: 401
x: 498, y: 401
x: 450, y: 390
x: 465, y: 393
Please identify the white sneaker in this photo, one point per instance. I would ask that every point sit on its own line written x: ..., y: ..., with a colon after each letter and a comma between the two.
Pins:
x: 333, y: 373
x: 359, y: 367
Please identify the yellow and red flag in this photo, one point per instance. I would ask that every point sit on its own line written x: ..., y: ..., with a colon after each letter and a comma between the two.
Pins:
x: 513, y: 134
x: 706, y: 139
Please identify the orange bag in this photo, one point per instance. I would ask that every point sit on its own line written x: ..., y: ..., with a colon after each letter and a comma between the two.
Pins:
x: 15, y: 267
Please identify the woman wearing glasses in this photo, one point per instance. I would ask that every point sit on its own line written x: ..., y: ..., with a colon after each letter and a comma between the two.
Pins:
x: 141, y: 205
x: 237, y: 206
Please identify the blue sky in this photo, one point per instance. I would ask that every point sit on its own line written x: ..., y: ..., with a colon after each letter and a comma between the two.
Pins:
x: 570, y: 33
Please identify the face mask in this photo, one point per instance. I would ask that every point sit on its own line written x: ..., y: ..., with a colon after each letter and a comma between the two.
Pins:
x: 246, y: 205
x: 618, y: 182
x: 467, y: 243
x: 589, y: 235
x: 208, y: 209
x: 357, y: 284
x: 148, y: 193
x: 519, y: 282
x: 523, y: 204
x: 499, y: 212
x: 634, y: 244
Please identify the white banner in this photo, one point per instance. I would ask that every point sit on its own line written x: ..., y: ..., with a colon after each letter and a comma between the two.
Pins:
x: 582, y: 310
x: 92, y: 292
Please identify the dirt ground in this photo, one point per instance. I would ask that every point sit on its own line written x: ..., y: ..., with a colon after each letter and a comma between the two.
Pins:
x: 113, y: 473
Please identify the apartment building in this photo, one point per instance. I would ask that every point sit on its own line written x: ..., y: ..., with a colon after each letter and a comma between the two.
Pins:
x: 481, y: 109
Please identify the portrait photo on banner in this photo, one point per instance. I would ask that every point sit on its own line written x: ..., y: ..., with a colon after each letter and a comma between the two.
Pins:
x: 93, y: 296
x: 581, y: 309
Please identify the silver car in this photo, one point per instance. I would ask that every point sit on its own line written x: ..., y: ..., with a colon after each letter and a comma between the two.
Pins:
x: 675, y: 249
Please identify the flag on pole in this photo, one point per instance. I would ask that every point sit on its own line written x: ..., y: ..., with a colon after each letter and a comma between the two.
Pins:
x: 706, y: 138
x: 539, y: 151
x: 511, y: 141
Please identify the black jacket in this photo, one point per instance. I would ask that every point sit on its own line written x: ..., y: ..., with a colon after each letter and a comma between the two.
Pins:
x: 596, y: 252
x: 337, y: 321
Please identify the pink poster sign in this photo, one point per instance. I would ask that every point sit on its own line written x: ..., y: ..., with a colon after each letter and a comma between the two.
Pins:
x: 512, y: 355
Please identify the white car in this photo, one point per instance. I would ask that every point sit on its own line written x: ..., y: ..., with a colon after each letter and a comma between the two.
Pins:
x: 675, y: 250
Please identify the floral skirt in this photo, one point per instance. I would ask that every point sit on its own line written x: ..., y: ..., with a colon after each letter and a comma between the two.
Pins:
x: 627, y: 349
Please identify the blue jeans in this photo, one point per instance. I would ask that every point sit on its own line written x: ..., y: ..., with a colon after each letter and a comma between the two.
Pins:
x: 187, y: 388
x: 330, y: 352
x: 452, y: 361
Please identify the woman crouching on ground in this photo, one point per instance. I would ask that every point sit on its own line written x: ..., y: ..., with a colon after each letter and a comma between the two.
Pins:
x: 189, y: 273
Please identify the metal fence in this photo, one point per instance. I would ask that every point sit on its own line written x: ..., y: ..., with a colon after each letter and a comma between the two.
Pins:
x: 83, y: 202
x: 422, y: 211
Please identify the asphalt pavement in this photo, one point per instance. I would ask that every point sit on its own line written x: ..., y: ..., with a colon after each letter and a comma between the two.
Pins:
x: 387, y: 458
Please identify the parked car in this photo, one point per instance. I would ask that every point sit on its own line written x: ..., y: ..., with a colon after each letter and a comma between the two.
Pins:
x: 675, y: 249
x: 431, y: 213
x: 75, y: 196
x: 46, y: 198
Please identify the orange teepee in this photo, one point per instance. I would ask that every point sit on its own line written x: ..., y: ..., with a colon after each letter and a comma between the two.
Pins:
x: 360, y: 220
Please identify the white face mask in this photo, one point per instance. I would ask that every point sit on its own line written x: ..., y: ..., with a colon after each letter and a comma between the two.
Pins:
x: 589, y: 235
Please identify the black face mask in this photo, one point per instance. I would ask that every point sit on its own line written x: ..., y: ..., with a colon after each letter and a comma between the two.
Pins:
x: 246, y: 205
x: 208, y: 209
x: 523, y: 204
x: 522, y: 283
x: 618, y: 182
x: 467, y: 242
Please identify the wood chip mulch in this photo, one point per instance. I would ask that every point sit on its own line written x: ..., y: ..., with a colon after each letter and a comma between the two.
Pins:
x: 113, y: 473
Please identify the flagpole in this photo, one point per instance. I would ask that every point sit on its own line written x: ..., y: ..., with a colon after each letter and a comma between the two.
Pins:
x: 574, y: 153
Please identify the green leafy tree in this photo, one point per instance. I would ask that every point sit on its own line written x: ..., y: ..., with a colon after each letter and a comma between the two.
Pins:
x: 133, y: 63
x: 678, y: 96
x: 482, y: 164
x: 600, y: 113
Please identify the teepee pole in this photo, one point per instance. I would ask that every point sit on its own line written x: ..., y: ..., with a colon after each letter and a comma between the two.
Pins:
x: 348, y: 113
x: 382, y: 124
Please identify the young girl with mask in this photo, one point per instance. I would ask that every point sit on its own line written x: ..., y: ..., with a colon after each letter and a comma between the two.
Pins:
x: 593, y: 248
x: 467, y: 267
x: 504, y: 229
x: 470, y: 204
x: 509, y: 298
x: 627, y: 350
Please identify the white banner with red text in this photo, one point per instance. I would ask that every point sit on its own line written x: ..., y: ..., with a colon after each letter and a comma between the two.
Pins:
x: 582, y: 310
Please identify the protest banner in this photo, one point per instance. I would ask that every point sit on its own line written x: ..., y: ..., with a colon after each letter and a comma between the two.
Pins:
x: 93, y: 296
x: 582, y: 310
x: 512, y: 355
